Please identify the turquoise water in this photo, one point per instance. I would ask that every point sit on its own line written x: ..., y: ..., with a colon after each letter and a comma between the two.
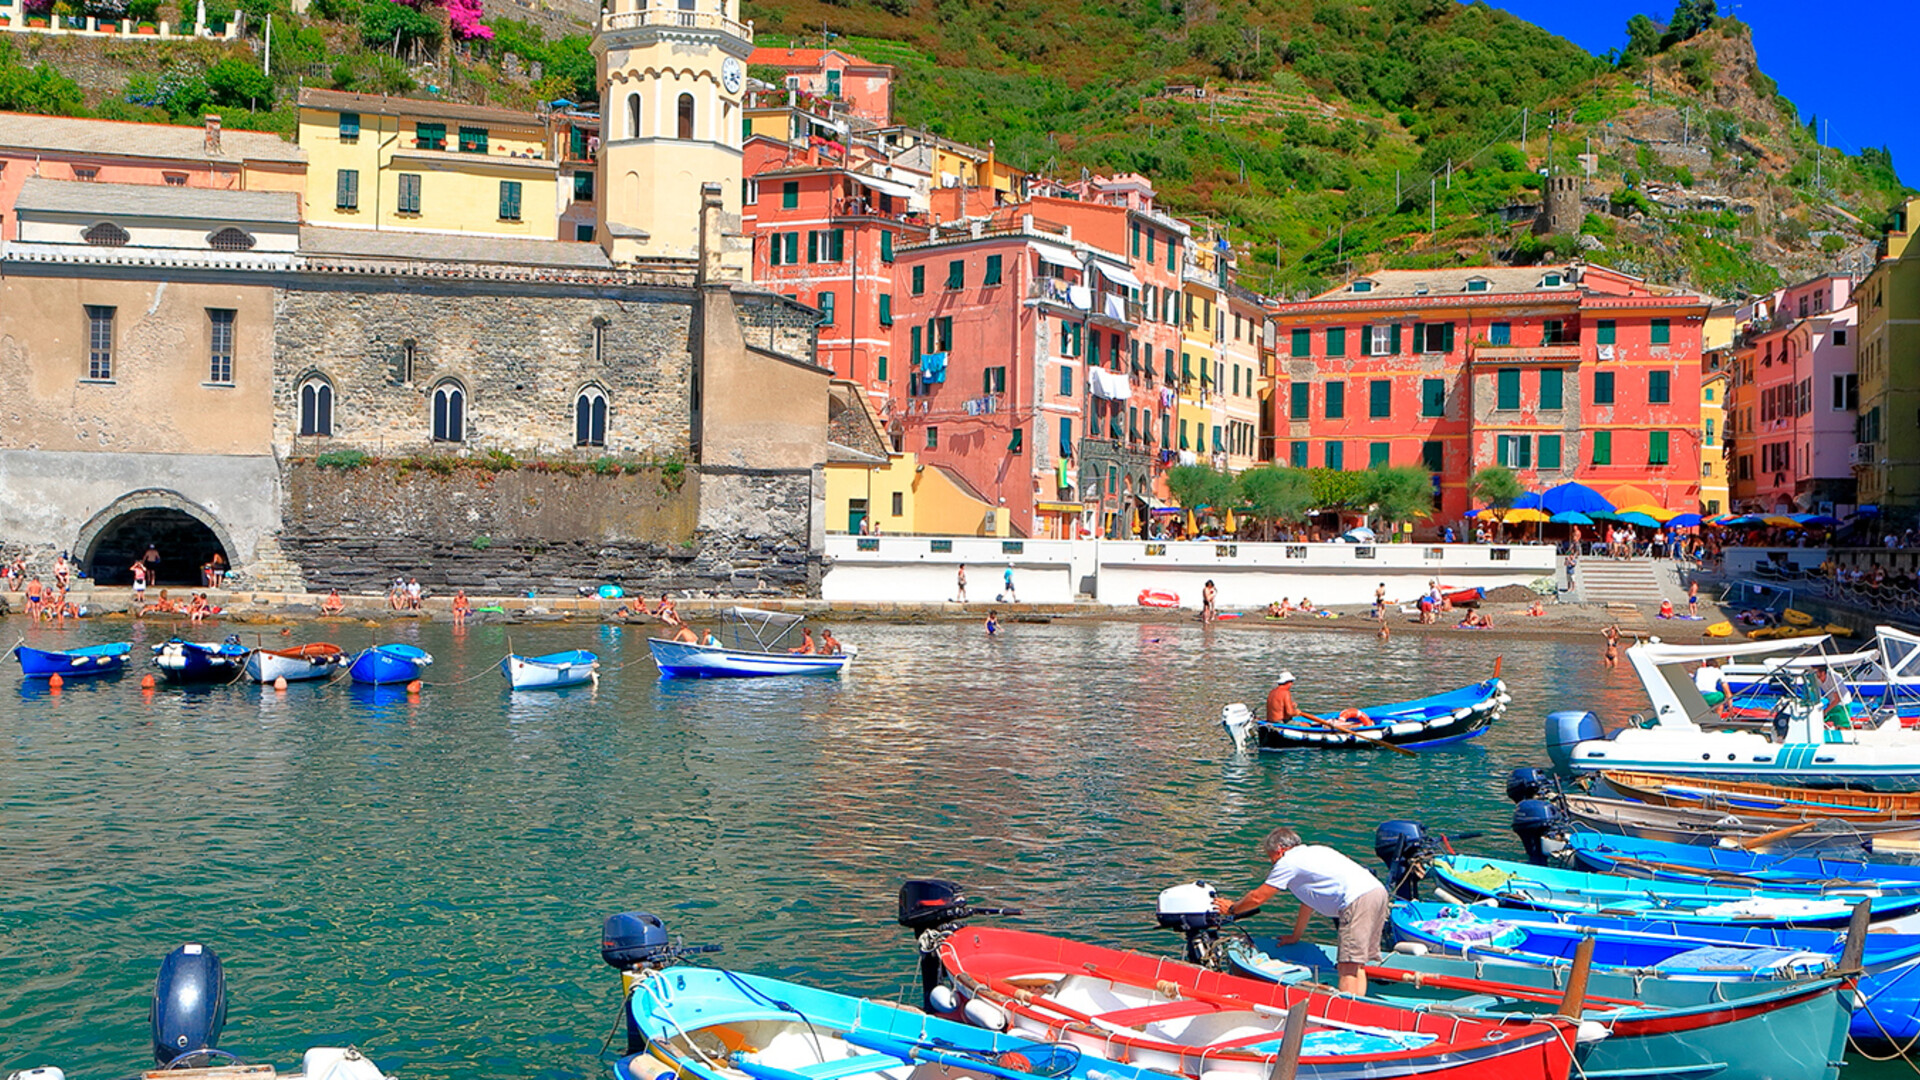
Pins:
x: 426, y: 879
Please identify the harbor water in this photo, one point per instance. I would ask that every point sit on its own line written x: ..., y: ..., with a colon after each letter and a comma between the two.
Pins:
x: 426, y: 878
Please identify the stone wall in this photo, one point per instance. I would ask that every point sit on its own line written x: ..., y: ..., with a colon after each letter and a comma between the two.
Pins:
x: 504, y: 533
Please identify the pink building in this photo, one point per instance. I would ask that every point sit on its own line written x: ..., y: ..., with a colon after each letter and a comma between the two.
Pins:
x: 866, y: 87
x: 113, y: 152
x: 1803, y: 401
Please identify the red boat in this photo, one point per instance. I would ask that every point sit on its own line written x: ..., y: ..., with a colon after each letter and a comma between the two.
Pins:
x: 1150, y: 598
x: 1185, y: 1020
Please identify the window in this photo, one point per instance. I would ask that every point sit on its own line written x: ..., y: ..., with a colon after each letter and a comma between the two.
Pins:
x: 993, y: 380
x: 886, y: 246
x: 1552, y: 281
x: 1297, y: 401
x: 933, y: 438
x: 1661, y: 332
x: 1507, y: 393
x: 1150, y: 235
x: 106, y: 234
x: 1846, y: 392
x: 824, y: 302
x: 685, y: 117
x: 409, y: 193
x: 473, y: 140
x: 790, y: 195
x: 1500, y: 334
x: 1550, y: 452
x: 179, y: 179
x: 1336, y: 406
x: 1066, y: 381
x: 1432, y: 337
x: 409, y: 353
x: 1183, y: 435
x: 899, y: 503
x: 993, y: 271
x: 1433, y: 455
x: 886, y: 309
x: 590, y: 418
x: 1297, y: 454
x: 1336, y: 341
x: 920, y: 280
x: 1363, y: 286
x: 1381, y: 340
x: 316, y: 407
x: 1709, y: 432
x: 836, y: 242
x: 1603, y: 332
x: 86, y: 174
x: 957, y: 274
x: 1659, y: 387
x: 1603, y: 448
x: 583, y: 187
x: 429, y: 136
x: 1135, y: 233
x: 99, y: 342
x: 1335, y: 456
x: 1657, y: 448
x: 1839, y: 337
x: 349, y: 127
x: 1302, y: 344
x: 1603, y: 388
x: 220, y: 346
x: 449, y: 413
x: 1380, y: 399
x: 1477, y: 285
x: 1433, y: 397
x: 1552, y: 388
x: 1377, y: 455
x: 346, y: 189
x: 942, y: 333
x: 880, y: 369
x: 509, y: 200
x: 633, y: 116
x: 1514, y: 451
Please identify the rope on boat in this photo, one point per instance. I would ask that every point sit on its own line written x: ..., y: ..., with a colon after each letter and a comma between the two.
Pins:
x: 1904, y: 1053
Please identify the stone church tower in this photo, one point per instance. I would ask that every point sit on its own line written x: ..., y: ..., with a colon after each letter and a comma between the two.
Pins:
x: 672, y: 72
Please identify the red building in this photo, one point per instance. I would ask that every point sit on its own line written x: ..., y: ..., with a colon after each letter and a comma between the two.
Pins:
x: 866, y: 87
x: 1569, y: 372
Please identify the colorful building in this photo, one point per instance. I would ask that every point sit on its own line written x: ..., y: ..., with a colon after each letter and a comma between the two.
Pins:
x: 573, y: 139
x: 1887, y: 454
x: 1563, y: 372
x: 866, y: 88
x: 1794, y: 452
x: 1714, y: 494
x: 1247, y: 345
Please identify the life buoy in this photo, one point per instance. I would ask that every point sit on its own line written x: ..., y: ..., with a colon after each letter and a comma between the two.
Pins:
x: 1354, y: 716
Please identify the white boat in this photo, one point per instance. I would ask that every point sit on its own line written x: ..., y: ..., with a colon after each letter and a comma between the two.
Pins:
x: 1887, y: 672
x: 685, y: 659
x: 1803, y: 749
x: 570, y: 668
x: 314, y: 660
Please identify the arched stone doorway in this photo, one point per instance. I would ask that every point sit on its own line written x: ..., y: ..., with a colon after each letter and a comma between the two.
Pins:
x: 184, y: 533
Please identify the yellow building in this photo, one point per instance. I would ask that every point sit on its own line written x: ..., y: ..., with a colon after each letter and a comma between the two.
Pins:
x: 1713, y: 445
x: 1887, y: 456
x: 426, y: 166
x: 1202, y: 407
x: 1243, y: 326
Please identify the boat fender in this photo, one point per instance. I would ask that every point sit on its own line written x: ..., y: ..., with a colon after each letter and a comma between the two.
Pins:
x: 943, y: 999
x: 42, y: 1072
x: 1589, y: 1032
x: 985, y: 1014
x: 1411, y: 948
x: 338, y: 1063
x: 1462, y: 713
x: 1404, y: 728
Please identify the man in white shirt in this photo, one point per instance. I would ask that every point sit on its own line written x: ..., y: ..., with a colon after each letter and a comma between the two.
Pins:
x: 1328, y: 883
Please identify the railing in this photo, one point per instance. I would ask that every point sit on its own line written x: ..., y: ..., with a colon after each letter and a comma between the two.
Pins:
x: 1055, y: 291
x: 676, y: 19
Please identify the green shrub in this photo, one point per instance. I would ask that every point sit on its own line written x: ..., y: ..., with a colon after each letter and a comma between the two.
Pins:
x: 341, y: 459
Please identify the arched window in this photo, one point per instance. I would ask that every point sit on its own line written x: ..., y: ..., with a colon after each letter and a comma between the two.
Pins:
x: 686, y: 116
x: 590, y: 418
x: 316, y: 406
x: 106, y: 234
x: 449, y: 413
x: 633, y: 116
x: 230, y: 239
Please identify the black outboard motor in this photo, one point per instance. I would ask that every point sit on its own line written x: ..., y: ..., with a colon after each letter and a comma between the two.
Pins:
x: 1533, y: 821
x: 1400, y: 844
x: 1529, y: 782
x: 634, y: 942
x: 932, y: 908
x: 189, y: 1007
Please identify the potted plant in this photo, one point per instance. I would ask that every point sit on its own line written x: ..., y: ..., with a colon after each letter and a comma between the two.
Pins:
x: 146, y: 28
x: 37, y: 20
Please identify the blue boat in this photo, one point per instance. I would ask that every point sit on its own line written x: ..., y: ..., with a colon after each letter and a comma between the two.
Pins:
x: 1420, y: 724
x: 200, y: 661
x: 569, y: 668
x: 1889, y: 986
x: 1660, y: 860
x: 71, y: 663
x: 387, y: 665
x: 1465, y: 879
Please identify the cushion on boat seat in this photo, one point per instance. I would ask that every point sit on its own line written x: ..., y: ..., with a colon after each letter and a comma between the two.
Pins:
x: 1166, y: 1010
x: 1722, y: 958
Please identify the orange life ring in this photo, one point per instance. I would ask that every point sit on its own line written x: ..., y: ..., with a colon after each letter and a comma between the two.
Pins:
x: 1354, y: 716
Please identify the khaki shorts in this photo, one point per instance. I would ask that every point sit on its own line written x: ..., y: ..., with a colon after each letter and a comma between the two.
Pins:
x: 1361, y: 924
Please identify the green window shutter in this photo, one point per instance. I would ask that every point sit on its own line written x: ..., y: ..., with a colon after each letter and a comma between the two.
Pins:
x: 957, y: 274
x: 1508, y: 394
x: 473, y: 140
x: 1336, y: 456
x: 1173, y: 248
x: 1149, y: 245
x: 1366, y: 341
x: 1134, y: 232
x: 1603, y: 388
x: 839, y: 245
x: 1170, y: 375
x: 1662, y: 332
x: 1419, y: 337
x: 813, y: 246
x: 1552, y: 388
x: 825, y: 305
x: 1657, y: 448
x: 1603, y: 448
x: 1433, y: 455
x: 346, y: 190
x: 1603, y: 332
x: 886, y: 309
x: 1298, y: 400
x: 946, y: 333
x: 1500, y: 334
x: 1298, y: 455
x: 1336, y: 392
x: 1433, y: 397
x: 430, y: 136
x: 880, y: 369
x: 1393, y: 340
x: 1659, y: 387
x: 886, y: 246
x: 915, y: 336
x: 793, y: 247
x: 920, y: 280
x: 1093, y: 350
x: 1336, y: 341
x: 349, y: 127
x: 510, y: 200
x: 1380, y: 399
x: 1066, y: 381
x: 1550, y: 452
x: 993, y: 270
x: 1446, y: 337
x: 1377, y: 455
x: 1524, y: 444
x: 1183, y: 436
x: 790, y: 195
x: 1302, y: 343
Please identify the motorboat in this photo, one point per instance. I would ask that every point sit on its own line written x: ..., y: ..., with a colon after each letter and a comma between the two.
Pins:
x: 194, y: 661
x: 389, y: 665
x: 314, y: 660
x: 1763, y: 833
x: 72, y: 663
x: 1420, y: 724
x: 554, y: 670
x: 764, y: 657
x: 1659, y: 860
x: 1762, y: 800
x: 1888, y: 670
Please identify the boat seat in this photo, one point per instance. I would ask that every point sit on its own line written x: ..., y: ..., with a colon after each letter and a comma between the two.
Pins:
x: 1166, y: 1010
x: 840, y: 1068
x: 1723, y: 958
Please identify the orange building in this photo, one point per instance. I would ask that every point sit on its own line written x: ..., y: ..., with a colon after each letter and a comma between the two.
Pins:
x: 866, y: 87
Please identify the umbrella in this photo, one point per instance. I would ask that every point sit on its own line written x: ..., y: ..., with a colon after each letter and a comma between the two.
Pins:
x: 1472, y: 514
x: 1527, y: 501
x: 1525, y: 515
x: 1571, y: 517
x: 1781, y: 521
x: 1682, y: 521
x: 1573, y: 496
x: 1641, y: 520
x: 1816, y: 520
x: 1359, y: 534
x: 1657, y: 513
x: 1628, y: 495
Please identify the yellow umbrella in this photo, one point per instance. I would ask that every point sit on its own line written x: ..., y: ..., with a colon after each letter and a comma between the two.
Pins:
x: 1227, y: 526
x: 1659, y: 514
x: 1628, y: 495
x: 1526, y: 515
x: 1780, y: 521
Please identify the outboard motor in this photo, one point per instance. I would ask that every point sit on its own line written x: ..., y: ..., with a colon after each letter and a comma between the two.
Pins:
x: 933, y: 908
x: 634, y: 943
x: 1400, y: 844
x: 189, y: 1007
x: 1530, y: 782
x: 1189, y: 909
x: 1567, y: 729
x: 1238, y: 720
x: 1534, y: 821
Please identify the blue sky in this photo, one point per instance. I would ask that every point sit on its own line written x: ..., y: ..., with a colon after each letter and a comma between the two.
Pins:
x: 1839, y: 59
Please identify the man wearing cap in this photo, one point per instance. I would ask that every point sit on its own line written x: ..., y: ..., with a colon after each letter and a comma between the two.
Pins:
x: 1280, y: 704
x: 1326, y: 883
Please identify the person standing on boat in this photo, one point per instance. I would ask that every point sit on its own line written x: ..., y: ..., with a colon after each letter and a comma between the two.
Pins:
x: 1326, y: 883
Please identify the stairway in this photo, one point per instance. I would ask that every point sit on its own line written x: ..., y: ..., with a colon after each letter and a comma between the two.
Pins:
x: 271, y: 570
x: 1619, y: 581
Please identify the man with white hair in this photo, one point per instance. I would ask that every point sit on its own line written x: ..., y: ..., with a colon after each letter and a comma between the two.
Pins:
x: 1326, y: 883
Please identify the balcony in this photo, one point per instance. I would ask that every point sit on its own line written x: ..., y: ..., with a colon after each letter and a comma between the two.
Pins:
x: 1115, y: 310
x: 675, y: 19
x: 1060, y: 293
x: 1558, y: 353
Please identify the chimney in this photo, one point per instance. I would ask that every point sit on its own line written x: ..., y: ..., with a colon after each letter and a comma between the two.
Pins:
x: 213, y: 133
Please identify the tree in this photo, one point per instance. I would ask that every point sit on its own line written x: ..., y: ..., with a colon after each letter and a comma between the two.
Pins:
x: 236, y: 83
x: 1643, y: 39
x: 1689, y: 18
x: 1399, y: 493
x: 1195, y: 486
x: 387, y: 25
x: 1275, y: 494
x: 1337, y: 489
x: 1496, y: 488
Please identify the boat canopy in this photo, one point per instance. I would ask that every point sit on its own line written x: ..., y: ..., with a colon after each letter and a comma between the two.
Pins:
x: 1677, y: 701
x: 760, y: 622
x: 1899, y: 653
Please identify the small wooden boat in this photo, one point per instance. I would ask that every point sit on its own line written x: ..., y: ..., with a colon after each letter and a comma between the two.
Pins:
x: 314, y: 660
x: 765, y: 657
x: 195, y: 661
x: 1684, y: 825
x: 72, y: 663
x: 701, y: 1024
x: 1180, y: 1019
x: 1465, y: 597
x: 1465, y: 879
x: 553, y: 670
x: 1755, y: 800
x: 389, y: 665
x: 1660, y: 860
x: 1655, y: 1027
x: 1420, y: 724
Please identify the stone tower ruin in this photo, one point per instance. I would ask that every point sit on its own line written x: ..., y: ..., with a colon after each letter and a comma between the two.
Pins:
x: 1562, y: 213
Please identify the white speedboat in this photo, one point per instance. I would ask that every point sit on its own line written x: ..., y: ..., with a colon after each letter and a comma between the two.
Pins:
x: 1888, y: 671
x: 1803, y: 748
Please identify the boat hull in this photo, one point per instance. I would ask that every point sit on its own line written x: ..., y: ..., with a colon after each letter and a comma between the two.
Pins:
x: 265, y: 667
x: 549, y: 672
x: 191, y: 662
x: 1684, y: 825
x: 1746, y: 757
x: 1658, y: 860
x: 1762, y: 800
x: 71, y: 664
x: 383, y: 666
x: 1420, y: 724
x: 680, y: 660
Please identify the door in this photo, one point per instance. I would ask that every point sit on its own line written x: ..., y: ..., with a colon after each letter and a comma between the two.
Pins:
x: 856, y: 515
